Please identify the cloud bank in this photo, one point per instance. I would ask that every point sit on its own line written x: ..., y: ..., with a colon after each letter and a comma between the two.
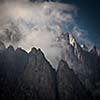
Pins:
x: 39, y: 24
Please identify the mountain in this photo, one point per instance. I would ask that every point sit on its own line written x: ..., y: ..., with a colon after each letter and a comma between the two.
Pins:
x: 69, y: 86
x: 24, y: 75
x: 39, y: 77
x: 93, y: 51
x: 84, y: 63
x: 29, y: 76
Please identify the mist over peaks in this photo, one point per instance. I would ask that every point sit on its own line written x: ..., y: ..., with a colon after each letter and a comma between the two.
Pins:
x: 39, y: 24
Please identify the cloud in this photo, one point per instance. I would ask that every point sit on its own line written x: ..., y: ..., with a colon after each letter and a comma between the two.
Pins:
x: 25, y: 24
x: 82, y: 36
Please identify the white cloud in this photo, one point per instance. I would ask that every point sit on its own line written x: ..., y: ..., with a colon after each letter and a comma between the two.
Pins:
x: 36, y: 24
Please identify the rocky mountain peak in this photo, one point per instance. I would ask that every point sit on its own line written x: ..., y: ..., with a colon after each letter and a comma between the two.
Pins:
x: 62, y: 65
x: 72, y: 41
x: 69, y: 86
x: 38, y: 76
x: 33, y: 51
x: 30, y: 75
x: 11, y: 48
x: 75, y: 46
x: 93, y: 51
x: 37, y: 52
x: 40, y: 53
x: 20, y: 50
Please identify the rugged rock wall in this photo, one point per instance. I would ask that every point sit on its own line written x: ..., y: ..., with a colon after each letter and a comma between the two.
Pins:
x: 29, y: 76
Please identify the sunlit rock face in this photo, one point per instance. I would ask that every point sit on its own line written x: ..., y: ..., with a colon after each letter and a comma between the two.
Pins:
x: 83, y: 63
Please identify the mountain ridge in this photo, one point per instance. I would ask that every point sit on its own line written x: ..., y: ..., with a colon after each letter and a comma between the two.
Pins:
x: 31, y: 76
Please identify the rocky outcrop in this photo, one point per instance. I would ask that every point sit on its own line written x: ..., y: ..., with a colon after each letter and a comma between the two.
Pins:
x: 30, y: 76
x: 26, y: 76
x: 83, y: 63
x: 12, y: 65
x: 39, y: 77
x: 93, y: 51
x: 69, y: 86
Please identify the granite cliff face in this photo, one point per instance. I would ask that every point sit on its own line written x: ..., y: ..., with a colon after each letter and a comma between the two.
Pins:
x: 29, y: 76
x: 69, y: 86
x: 39, y: 77
x: 26, y: 75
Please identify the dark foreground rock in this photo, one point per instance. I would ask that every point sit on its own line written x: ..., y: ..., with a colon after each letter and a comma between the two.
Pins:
x: 29, y: 76
x: 69, y: 86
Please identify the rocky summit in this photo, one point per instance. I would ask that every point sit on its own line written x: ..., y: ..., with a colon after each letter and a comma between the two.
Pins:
x: 30, y: 76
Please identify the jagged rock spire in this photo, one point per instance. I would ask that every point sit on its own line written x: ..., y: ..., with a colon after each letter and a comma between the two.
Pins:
x: 69, y: 86
x: 93, y: 51
x: 38, y: 77
x: 30, y: 76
